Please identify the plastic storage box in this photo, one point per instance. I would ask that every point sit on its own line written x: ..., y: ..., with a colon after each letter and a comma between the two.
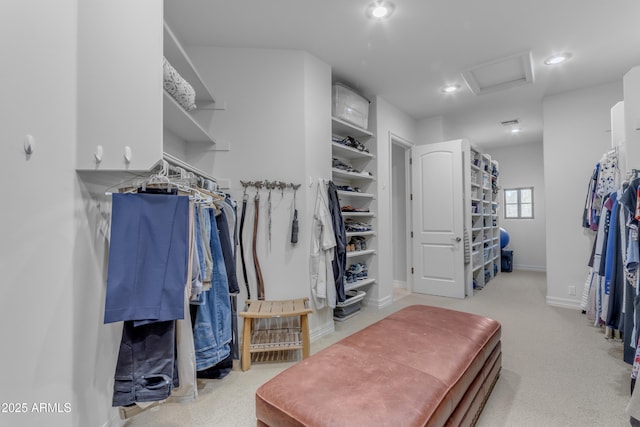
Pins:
x: 349, y: 106
x: 350, y: 307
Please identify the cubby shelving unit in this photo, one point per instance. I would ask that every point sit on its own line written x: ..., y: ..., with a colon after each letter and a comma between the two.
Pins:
x: 483, y: 210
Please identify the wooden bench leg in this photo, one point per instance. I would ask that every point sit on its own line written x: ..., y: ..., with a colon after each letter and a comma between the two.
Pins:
x: 245, y: 362
x: 304, y: 326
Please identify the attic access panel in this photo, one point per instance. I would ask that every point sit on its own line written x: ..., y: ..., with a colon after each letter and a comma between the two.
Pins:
x: 511, y: 71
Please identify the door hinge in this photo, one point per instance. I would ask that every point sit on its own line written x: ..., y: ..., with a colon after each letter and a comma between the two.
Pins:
x: 410, y: 196
x: 412, y: 234
x: 410, y: 160
x: 411, y: 270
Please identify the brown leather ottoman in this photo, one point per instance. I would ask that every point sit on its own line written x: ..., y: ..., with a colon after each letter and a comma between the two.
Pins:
x: 421, y: 366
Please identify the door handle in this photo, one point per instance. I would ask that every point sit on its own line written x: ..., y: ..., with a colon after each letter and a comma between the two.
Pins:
x: 457, y: 239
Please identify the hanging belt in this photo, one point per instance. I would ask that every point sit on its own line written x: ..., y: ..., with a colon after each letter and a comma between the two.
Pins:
x: 255, y: 254
x: 244, y: 265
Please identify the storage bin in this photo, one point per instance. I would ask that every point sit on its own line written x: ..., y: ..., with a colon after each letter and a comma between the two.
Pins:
x: 475, y: 258
x: 349, y: 106
x: 349, y: 307
x: 507, y: 261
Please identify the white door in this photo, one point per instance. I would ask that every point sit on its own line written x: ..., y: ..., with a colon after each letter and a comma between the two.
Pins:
x: 438, y: 219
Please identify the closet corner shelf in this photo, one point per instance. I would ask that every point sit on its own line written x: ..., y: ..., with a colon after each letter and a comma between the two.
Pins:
x: 181, y: 123
x: 350, y: 153
x: 351, y: 175
x: 358, y: 284
x: 342, y: 128
x: 178, y: 58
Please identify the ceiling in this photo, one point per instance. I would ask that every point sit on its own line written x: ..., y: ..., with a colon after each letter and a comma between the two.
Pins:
x: 425, y: 44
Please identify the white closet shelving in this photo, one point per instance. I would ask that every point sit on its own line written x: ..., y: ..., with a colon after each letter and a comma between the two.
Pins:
x: 127, y: 122
x: 360, y: 197
x: 485, y: 232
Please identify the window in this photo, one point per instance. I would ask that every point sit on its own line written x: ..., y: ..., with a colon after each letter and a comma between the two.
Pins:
x: 518, y: 203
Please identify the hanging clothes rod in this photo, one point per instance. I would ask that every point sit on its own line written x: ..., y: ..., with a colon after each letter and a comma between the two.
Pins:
x: 176, y: 165
x: 179, y: 163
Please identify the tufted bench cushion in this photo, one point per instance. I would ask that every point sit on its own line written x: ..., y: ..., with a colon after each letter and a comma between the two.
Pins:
x: 420, y: 366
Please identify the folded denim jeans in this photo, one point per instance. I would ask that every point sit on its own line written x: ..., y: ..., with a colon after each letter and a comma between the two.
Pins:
x: 146, y: 367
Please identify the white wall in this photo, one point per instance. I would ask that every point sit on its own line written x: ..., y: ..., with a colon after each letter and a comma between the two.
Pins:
x: 523, y: 166
x: 388, y: 120
x: 38, y: 45
x: 576, y: 135
x: 277, y: 123
x: 399, y: 215
x: 430, y: 130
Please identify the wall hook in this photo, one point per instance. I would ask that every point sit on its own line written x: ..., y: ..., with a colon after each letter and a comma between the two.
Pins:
x: 29, y: 144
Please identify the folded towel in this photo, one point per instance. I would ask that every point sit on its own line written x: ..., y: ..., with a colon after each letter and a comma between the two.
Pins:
x: 178, y: 87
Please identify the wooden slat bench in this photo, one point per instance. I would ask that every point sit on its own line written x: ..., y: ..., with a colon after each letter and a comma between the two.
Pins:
x: 274, y: 340
x: 421, y: 366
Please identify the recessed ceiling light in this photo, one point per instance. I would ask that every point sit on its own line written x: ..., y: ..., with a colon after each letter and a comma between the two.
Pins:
x: 557, y: 58
x: 450, y: 88
x: 515, y: 130
x: 380, y: 10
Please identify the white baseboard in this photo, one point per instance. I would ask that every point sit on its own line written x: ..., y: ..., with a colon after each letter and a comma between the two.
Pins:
x: 564, y: 302
x: 379, y: 303
x: 402, y: 284
x: 529, y: 268
x: 321, y: 331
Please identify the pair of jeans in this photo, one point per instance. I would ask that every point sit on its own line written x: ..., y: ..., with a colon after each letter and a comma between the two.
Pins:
x: 148, y: 258
x: 146, y: 367
x: 212, y: 329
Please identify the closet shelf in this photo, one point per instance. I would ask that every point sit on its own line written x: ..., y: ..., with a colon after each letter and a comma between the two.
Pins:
x: 360, y: 233
x: 358, y: 284
x: 345, y: 152
x: 182, y: 124
x: 179, y: 59
x: 358, y: 214
x: 355, y: 194
x: 351, y: 175
x: 342, y: 128
x: 360, y: 253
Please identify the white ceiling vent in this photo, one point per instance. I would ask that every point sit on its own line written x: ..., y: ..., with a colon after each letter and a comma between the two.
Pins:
x: 504, y: 73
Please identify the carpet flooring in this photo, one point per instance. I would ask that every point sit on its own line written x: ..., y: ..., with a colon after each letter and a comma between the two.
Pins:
x: 557, y: 369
